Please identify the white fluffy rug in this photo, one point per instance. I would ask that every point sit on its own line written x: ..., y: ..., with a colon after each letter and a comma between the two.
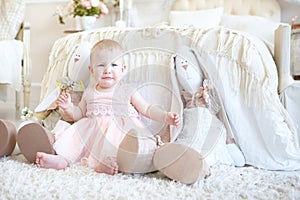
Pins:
x: 20, y: 180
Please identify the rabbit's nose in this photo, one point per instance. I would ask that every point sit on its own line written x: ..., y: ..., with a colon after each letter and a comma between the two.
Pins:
x: 185, y: 66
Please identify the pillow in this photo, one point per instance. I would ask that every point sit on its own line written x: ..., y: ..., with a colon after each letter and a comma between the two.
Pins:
x: 261, y: 27
x: 11, y: 17
x: 149, y: 12
x: 200, y: 18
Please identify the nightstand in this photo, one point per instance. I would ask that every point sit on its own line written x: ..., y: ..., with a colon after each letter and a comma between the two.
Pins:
x: 295, y: 51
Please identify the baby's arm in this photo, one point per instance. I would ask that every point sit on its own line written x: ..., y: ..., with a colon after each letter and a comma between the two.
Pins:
x: 68, y: 110
x: 154, y: 112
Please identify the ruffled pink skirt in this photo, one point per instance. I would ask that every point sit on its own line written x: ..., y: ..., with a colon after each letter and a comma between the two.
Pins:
x: 92, y: 140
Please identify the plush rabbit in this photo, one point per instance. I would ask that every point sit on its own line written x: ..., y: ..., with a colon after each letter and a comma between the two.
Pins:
x: 200, y: 96
x: 78, y: 74
x: 195, y: 89
x: 47, y: 113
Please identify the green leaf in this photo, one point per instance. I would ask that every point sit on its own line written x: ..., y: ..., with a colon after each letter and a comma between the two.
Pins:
x: 61, y: 20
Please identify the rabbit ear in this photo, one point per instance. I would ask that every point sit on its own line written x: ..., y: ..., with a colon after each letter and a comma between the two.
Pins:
x: 173, y: 61
x: 47, y: 103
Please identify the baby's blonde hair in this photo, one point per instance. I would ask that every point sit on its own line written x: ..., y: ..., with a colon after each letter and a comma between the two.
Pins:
x: 108, y: 45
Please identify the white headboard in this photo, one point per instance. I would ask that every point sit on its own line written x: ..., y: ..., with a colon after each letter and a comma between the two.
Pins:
x: 264, y: 8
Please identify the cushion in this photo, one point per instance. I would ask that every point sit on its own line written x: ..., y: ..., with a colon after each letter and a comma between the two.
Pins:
x: 11, y: 17
x: 155, y: 12
x: 198, y: 18
x: 259, y: 26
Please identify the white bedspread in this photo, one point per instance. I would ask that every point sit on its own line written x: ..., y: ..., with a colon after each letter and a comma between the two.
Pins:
x: 242, y: 69
x: 245, y: 74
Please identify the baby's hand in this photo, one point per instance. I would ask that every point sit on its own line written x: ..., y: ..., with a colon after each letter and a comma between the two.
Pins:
x: 64, y: 100
x: 172, y: 119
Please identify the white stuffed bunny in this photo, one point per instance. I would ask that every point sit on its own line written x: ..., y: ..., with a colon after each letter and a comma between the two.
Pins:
x: 78, y: 73
x: 188, y: 77
x: 196, y: 92
x: 195, y: 89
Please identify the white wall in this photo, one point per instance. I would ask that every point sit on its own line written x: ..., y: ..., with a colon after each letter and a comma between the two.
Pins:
x: 45, y: 29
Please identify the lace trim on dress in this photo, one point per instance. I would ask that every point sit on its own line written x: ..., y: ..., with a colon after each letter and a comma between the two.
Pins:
x: 107, y: 110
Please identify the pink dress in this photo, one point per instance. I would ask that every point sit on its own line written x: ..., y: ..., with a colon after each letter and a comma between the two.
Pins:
x: 107, y: 117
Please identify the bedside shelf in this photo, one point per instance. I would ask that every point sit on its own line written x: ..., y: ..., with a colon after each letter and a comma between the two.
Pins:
x: 72, y: 31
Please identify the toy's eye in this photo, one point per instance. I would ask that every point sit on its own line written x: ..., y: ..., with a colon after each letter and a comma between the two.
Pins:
x: 114, y: 65
x: 184, y: 62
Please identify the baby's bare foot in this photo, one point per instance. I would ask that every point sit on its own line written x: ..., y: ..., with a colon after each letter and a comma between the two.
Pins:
x: 109, y: 166
x: 45, y: 160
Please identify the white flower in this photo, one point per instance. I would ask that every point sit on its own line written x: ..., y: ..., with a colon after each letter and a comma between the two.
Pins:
x: 27, y: 114
x: 95, y: 3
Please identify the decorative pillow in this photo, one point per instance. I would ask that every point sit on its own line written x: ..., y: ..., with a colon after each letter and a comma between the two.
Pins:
x: 200, y: 18
x: 11, y: 17
x: 153, y: 13
x: 259, y: 26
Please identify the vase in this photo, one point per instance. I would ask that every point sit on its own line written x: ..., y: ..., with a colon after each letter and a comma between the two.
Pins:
x: 77, y: 23
x: 87, y: 22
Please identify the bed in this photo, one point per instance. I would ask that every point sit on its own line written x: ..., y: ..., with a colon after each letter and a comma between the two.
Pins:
x: 248, y: 69
x: 248, y: 87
